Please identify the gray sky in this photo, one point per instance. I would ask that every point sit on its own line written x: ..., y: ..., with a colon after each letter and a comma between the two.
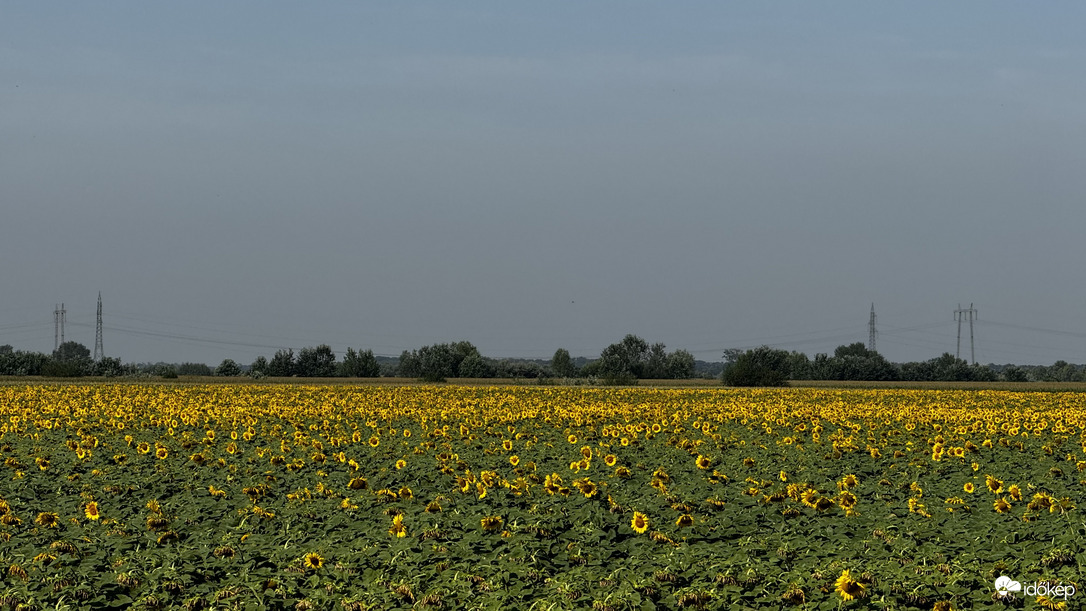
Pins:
x: 234, y: 177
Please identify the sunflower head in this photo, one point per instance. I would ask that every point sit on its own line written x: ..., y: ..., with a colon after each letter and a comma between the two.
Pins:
x: 848, y: 588
x: 91, y: 511
x: 313, y: 561
x: 397, y: 527
x: 640, y: 522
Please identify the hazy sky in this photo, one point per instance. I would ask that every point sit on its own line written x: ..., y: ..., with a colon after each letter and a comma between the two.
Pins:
x: 240, y: 176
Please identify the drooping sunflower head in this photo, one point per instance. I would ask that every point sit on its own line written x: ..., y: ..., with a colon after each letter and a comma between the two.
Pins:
x: 848, y: 588
x: 47, y: 519
x: 808, y: 497
x: 847, y: 500
x: 994, y: 485
x: 397, y: 527
x: 685, y: 520
x: 587, y: 487
x: 1001, y: 505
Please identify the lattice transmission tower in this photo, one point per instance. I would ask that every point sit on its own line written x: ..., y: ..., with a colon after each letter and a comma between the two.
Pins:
x: 872, y: 332
x: 99, y: 353
x: 59, y: 314
x: 969, y: 314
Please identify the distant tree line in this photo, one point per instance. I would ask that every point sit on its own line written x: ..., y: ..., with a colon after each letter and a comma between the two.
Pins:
x: 623, y: 362
x: 765, y: 366
x: 70, y: 359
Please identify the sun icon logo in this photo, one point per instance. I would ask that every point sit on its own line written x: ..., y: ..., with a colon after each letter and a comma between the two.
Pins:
x: 1005, y: 585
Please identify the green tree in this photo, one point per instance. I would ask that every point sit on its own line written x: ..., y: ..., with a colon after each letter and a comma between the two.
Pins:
x: 409, y: 366
x: 282, y: 364
x: 562, y: 364
x: 623, y: 362
x: 1012, y: 373
x: 107, y: 367
x: 438, y: 362
x: 361, y: 364
x: 318, y: 362
x: 70, y: 359
x: 259, y: 366
x: 680, y: 365
x: 228, y: 368
x: 762, y: 366
x: 654, y: 366
x: 194, y: 369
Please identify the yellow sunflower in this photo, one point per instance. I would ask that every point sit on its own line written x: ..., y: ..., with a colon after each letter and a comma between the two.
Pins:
x: 47, y: 519
x: 847, y: 587
x: 640, y: 522
x: 313, y: 561
x: 91, y: 511
x: 162, y: 453
x: 397, y: 527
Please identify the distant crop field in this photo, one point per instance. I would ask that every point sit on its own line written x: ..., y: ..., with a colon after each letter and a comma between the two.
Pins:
x: 276, y: 496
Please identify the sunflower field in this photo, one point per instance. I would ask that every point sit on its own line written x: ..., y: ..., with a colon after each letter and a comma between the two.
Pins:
x: 546, y: 498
